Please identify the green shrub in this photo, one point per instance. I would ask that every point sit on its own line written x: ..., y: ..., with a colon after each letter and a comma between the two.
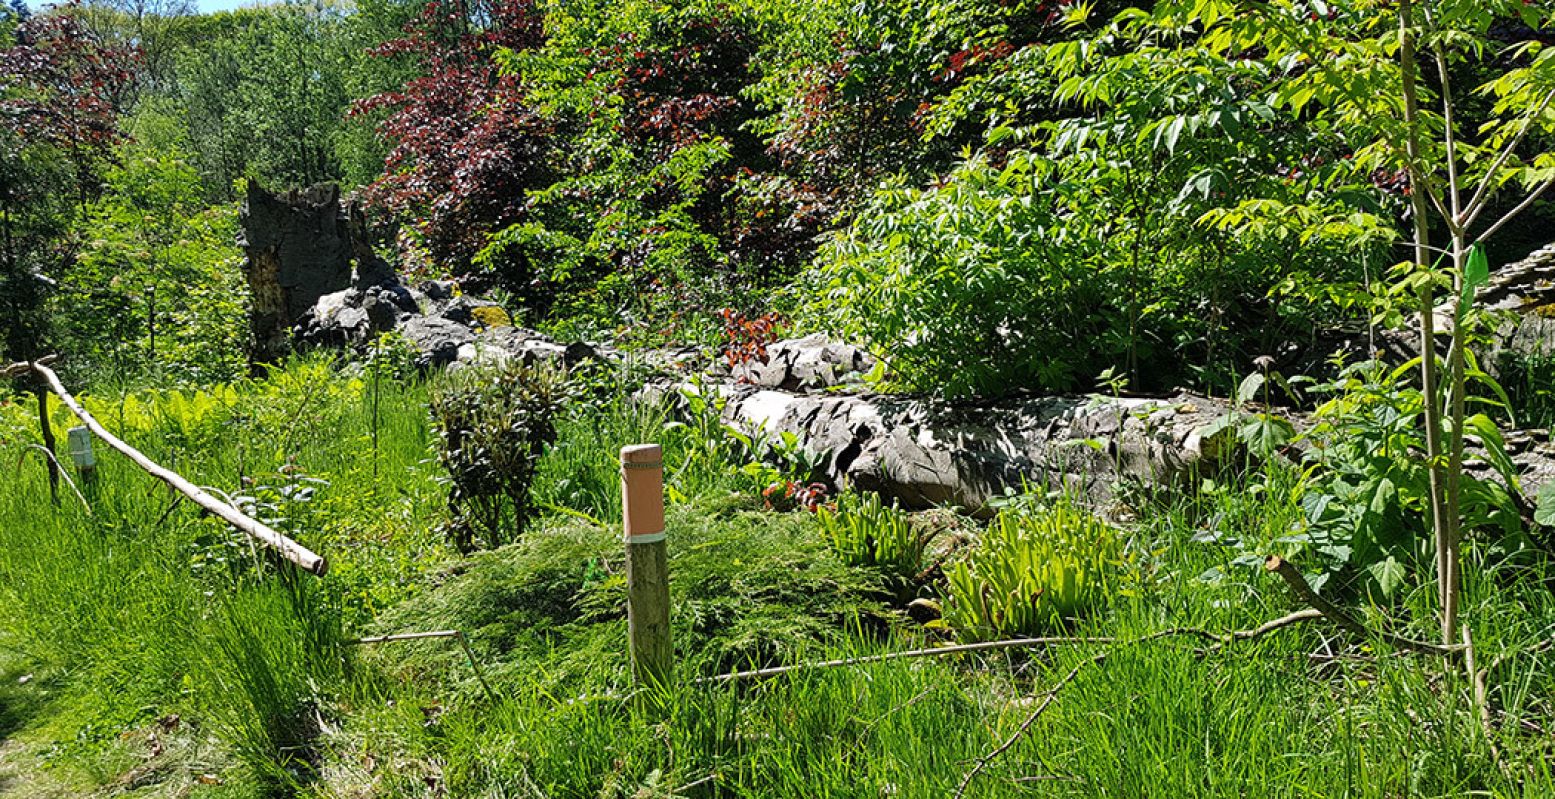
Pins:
x: 1367, y: 501
x: 866, y: 533
x: 1033, y: 571
x: 493, y: 423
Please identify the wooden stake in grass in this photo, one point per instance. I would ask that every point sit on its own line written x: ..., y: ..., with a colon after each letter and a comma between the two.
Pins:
x: 647, y: 567
x: 52, y: 462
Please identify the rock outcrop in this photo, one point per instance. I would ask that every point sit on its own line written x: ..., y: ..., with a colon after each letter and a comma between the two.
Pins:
x: 444, y: 327
x: 927, y: 453
x: 1524, y: 286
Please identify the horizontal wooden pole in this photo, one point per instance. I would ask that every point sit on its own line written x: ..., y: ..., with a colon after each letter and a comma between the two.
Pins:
x: 285, y: 547
x: 384, y: 639
x: 23, y: 367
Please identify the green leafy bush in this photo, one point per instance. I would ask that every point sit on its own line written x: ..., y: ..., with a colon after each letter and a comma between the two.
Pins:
x: 967, y: 286
x: 1032, y: 571
x: 1366, y: 503
x: 493, y: 423
x: 864, y: 532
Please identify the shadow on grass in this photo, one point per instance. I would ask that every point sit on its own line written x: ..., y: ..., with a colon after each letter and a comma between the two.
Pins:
x: 22, y: 698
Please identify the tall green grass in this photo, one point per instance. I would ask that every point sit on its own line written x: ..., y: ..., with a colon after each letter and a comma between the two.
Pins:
x: 145, y: 608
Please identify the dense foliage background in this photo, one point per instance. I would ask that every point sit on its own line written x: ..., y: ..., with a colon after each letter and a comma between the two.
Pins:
x: 993, y: 194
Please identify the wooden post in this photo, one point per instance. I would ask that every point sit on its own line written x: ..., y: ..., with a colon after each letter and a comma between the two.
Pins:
x: 647, y: 567
x: 48, y: 443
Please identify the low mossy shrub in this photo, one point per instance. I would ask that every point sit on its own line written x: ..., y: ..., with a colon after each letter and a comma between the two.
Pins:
x: 747, y: 588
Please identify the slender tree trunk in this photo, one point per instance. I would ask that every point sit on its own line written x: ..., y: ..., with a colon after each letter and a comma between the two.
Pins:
x: 1450, y: 577
x: 1442, y: 513
x: 1457, y: 387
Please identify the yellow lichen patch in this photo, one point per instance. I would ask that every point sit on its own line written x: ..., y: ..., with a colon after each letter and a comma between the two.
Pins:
x: 491, y: 316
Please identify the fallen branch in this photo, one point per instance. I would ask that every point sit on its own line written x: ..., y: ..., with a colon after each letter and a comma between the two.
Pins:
x: 1303, y: 590
x: 984, y: 646
x: 1217, y: 639
x: 1320, y: 608
x: 23, y: 367
x: 285, y: 547
x: 1047, y: 701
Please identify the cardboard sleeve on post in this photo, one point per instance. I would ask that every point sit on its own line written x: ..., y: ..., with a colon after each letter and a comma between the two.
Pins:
x: 642, y: 492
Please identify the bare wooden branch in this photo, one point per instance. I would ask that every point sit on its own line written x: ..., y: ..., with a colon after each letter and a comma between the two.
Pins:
x: 1217, y: 639
x: 458, y: 635
x: 1047, y: 701
x: 984, y: 646
x: 285, y: 547
x: 23, y: 367
x: 1303, y: 590
x: 1527, y: 202
x: 1479, y: 200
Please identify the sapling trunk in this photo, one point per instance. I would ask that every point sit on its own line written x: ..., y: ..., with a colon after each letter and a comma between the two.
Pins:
x: 1442, y: 510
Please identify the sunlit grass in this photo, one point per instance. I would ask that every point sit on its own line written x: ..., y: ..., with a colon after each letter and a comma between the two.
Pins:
x: 144, y: 609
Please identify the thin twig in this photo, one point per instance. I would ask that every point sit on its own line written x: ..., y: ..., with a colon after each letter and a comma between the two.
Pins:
x: 870, y: 727
x: 1321, y: 608
x: 1477, y: 203
x: 1528, y: 201
x: 457, y: 635
x: 984, y: 646
x: 1218, y: 639
x: 62, y: 473
x: 1031, y: 719
x: 1303, y: 590
x: 688, y: 786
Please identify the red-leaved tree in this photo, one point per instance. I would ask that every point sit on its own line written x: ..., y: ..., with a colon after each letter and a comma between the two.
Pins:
x: 61, y: 90
x: 465, y: 147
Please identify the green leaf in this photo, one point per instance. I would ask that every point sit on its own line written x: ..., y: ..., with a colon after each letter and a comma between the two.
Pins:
x: 1266, y: 433
x: 1389, y: 575
x: 1544, y: 513
x: 1494, y: 445
x: 1248, y: 391
x: 1476, y: 273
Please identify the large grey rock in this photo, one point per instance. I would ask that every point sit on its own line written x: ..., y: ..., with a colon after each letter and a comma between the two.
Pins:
x: 814, y: 361
x: 437, y: 340
x: 1525, y: 285
x: 927, y: 453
